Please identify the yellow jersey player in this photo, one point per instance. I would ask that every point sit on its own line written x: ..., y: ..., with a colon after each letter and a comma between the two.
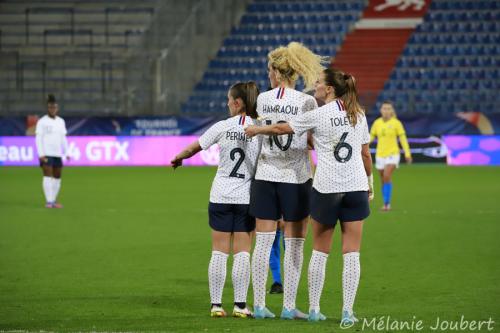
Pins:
x: 387, y: 129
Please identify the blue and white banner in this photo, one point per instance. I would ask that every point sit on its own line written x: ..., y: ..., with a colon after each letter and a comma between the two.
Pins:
x: 464, y: 123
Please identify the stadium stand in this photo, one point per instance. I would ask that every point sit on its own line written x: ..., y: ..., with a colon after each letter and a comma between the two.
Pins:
x: 75, y: 49
x: 106, y: 57
x: 114, y: 57
x: 451, y: 62
x: 321, y: 25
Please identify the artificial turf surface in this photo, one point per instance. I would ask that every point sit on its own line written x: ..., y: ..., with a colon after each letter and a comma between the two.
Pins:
x: 130, y: 251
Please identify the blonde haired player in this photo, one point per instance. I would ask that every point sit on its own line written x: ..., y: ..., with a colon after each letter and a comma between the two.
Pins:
x: 343, y: 182
x: 52, y: 147
x: 388, y: 129
x: 283, y: 178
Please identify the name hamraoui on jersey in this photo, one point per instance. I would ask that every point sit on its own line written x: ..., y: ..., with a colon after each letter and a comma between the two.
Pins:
x: 338, y: 145
x: 284, y: 158
x: 238, y: 159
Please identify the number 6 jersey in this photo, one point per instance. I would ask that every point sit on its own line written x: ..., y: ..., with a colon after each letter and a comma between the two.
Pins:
x: 238, y: 158
x: 284, y: 158
x: 338, y: 144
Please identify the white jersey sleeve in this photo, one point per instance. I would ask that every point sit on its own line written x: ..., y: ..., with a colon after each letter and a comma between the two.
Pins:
x: 366, y: 135
x: 64, y: 140
x: 284, y: 158
x: 212, y: 135
x: 39, y: 138
x: 305, y: 122
x: 237, y: 160
x: 310, y: 104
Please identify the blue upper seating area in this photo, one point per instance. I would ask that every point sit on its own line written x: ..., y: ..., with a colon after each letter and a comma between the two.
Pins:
x: 451, y: 63
x: 320, y: 25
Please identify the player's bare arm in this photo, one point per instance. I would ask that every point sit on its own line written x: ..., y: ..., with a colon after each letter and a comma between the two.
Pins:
x: 276, y: 129
x: 367, y: 162
x: 189, y: 151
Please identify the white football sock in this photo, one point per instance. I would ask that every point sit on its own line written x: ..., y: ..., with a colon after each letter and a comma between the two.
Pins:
x: 294, y: 256
x: 350, y: 279
x: 241, y: 276
x: 47, y: 188
x: 56, y: 185
x: 260, y: 266
x: 217, y: 276
x: 316, y: 278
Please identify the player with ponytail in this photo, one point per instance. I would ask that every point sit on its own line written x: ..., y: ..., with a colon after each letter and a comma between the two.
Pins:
x: 343, y: 181
x: 230, y: 196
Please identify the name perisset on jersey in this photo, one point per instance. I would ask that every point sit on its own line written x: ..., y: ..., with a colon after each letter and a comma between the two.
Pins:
x: 287, y: 109
x: 234, y: 136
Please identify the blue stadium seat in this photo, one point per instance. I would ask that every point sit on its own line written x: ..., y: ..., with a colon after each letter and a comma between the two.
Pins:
x: 321, y: 25
x: 452, y: 60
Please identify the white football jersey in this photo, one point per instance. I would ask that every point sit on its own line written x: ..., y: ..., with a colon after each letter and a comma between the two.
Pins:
x: 338, y: 145
x: 51, y: 137
x: 284, y: 158
x: 238, y: 158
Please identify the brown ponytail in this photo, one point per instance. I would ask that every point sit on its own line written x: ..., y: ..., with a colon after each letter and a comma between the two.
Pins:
x: 345, y: 88
x: 248, y: 92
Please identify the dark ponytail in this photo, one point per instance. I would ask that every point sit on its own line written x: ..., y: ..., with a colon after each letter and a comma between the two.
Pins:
x: 248, y: 92
x: 345, y: 88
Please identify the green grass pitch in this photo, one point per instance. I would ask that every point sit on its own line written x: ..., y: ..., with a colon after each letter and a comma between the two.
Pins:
x: 130, y: 251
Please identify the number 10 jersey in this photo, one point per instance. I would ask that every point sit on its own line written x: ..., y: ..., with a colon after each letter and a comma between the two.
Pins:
x: 338, y: 144
x: 284, y: 158
x: 237, y: 159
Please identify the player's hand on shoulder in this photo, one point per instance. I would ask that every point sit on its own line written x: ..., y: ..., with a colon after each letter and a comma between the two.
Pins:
x: 251, y: 131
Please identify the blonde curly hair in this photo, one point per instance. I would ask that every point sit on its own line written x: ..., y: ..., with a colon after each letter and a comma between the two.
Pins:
x: 296, y: 60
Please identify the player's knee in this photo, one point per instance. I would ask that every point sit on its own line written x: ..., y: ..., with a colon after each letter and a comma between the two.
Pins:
x: 296, y: 229
x: 239, y: 248
x: 321, y: 248
x: 350, y: 248
x: 220, y: 249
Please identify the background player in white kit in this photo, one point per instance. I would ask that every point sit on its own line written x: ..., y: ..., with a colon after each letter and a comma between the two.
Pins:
x: 52, y: 146
x: 343, y: 181
x: 230, y: 196
x: 283, y: 178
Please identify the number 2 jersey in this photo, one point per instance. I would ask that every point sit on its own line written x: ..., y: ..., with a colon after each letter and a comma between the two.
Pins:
x: 238, y: 158
x: 284, y: 158
x: 338, y: 144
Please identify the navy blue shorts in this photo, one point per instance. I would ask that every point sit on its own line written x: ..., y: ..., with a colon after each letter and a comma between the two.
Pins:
x: 52, y: 161
x: 327, y: 208
x: 273, y: 200
x: 230, y: 218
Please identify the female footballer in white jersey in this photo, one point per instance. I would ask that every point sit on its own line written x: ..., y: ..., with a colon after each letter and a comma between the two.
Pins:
x: 283, y: 177
x: 51, y: 146
x: 343, y: 182
x: 230, y: 196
